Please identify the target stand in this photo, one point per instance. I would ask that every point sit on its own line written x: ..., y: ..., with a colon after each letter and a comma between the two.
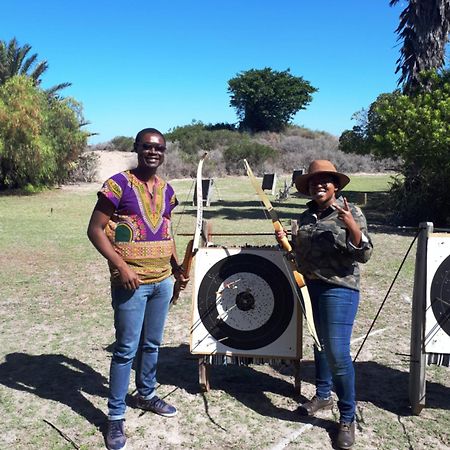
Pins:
x: 244, y: 309
x: 430, y: 327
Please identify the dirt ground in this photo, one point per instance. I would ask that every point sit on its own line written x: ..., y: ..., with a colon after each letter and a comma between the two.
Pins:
x: 55, y: 360
x: 113, y: 162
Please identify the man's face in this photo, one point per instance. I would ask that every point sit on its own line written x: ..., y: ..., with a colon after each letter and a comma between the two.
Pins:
x: 150, y: 150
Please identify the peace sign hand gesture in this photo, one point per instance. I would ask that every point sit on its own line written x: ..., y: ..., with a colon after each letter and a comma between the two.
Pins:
x: 346, y: 216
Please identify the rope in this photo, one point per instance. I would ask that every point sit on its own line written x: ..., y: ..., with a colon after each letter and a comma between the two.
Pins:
x: 184, y: 208
x: 386, y: 296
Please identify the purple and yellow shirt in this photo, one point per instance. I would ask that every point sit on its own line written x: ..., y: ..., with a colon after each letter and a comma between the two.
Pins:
x: 139, y: 229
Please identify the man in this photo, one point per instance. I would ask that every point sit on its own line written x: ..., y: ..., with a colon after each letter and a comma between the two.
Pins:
x: 130, y: 227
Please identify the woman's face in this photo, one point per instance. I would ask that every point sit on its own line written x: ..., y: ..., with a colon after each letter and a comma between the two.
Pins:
x: 323, y: 188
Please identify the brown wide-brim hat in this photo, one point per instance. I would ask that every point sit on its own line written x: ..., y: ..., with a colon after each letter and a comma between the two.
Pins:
x: 322, y: 166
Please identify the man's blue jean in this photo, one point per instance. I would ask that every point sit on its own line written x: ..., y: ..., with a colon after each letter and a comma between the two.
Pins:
x: 139, y: 318
x: 334, y: 310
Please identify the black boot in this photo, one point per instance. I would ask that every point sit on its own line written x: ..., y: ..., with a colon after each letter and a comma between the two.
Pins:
x: 346, y: 435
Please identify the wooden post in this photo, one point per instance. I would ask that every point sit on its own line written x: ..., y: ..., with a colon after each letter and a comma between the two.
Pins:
x: 296, y: 363
x: 361, y: 198
x: 203, y: 374
x: 297, y: 378
x: 203, y: 366
x: 417, y: 382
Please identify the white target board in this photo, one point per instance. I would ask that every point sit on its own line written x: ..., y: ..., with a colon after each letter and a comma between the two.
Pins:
x: 244, y: 303
x: 437, y: 317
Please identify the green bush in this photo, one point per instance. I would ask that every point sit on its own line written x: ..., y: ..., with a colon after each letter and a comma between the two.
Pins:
x: 256, y: 154
x: 414, y: 130
x: 199, y: 137
x: 39, y: 136
x: 122, y: 143
x: 84, y: 169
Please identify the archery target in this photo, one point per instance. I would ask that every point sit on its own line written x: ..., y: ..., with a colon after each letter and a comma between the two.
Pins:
x: 437, y: 316
x: 244, y: 303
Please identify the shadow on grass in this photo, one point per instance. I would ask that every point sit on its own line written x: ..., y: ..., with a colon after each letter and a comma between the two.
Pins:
x: 240, y: 210
x: 56, y: 377
x: 384, y: 387
x: 387, y: 388
x: 59, y: 378
x: 247, y: 385
x: 373, y: 204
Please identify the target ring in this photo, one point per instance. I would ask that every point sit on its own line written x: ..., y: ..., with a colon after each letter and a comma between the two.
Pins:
x: 245, y: 301
x: 440, y: 295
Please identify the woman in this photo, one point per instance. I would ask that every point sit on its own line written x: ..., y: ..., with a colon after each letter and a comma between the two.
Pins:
x: 332, y: 239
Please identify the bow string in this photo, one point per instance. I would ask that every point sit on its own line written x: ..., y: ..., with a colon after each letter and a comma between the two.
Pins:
x: 306, y: 304
x: 194, y: 243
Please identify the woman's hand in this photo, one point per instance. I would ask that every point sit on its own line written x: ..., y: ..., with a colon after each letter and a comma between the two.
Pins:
x: 346, y: 216
x: 280, y: 234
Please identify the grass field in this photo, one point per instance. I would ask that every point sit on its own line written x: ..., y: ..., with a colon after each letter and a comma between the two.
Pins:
x: 56, y: 334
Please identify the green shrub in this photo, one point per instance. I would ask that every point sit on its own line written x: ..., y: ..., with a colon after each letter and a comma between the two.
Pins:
x: 84, y: 169
x: 256, y: 154
x: 122, y: 143
x: 198, y: 137
x: 39, y: 136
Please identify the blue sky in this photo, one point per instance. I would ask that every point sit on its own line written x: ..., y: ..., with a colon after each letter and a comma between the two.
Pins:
x: 165, y: 63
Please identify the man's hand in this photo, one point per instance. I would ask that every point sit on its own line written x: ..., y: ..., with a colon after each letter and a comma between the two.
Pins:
x: 181, y: 279
x: 129, y: 278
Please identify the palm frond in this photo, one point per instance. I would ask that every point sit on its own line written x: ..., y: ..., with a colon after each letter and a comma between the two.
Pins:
x: 17, y: 60
x: 51, y: 92
x: 423, y: 30
x: 38, y: 70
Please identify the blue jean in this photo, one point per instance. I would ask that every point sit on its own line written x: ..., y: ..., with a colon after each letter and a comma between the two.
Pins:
x: 139, y: 318
x: 334, y: 310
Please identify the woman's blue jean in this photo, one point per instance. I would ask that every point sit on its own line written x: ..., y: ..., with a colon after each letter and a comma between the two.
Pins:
x: 139, y: 318
x: 334, y: 310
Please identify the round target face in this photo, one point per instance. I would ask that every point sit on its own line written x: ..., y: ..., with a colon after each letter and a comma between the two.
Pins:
x: 440, y: 295
x: 245, y: 301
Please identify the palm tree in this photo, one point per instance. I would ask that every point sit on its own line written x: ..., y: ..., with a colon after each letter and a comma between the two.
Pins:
x: 424, y: 27
x: 14, y: 60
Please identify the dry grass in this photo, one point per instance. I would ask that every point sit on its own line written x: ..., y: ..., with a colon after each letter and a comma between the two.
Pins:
x: 56, y: 334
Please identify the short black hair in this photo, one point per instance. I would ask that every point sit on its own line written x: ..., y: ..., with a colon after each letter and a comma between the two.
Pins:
x: 145, y: 131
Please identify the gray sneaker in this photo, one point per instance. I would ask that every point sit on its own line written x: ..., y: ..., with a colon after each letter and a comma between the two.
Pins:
x: 115, y: 435
x: 156, y: 405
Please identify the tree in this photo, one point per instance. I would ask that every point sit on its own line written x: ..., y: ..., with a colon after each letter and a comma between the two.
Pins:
x: 15, y: 60
x: 414, y: 129
x: 40, y: 137
x: 424, y: 27
x: 122, y: 143
x: 255, y: 153
x: 198, y: 137
x: 267, y: 100
x: 412, y: 126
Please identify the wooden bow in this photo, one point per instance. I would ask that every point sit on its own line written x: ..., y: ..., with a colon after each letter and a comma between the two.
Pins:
x: 193, y: 244
x: 306, y: 305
